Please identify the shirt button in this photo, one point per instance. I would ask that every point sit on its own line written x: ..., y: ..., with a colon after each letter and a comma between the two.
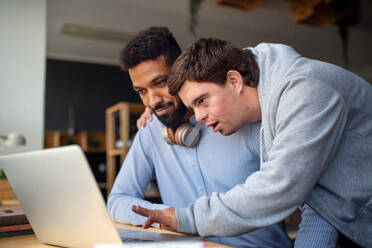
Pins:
x: 201, y: 192
x: 194, y: 163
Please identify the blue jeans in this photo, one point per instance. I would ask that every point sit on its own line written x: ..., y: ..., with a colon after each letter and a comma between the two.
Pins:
x: 314, y: 231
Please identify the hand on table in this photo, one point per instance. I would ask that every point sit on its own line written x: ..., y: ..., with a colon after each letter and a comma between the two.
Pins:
x: 147, y: 115
x: 165, y: 217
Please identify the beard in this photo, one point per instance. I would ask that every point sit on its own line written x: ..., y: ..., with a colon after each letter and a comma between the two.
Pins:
x: 174, y: 118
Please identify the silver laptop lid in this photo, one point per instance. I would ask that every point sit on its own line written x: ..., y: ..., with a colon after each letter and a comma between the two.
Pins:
x: 60, y: 197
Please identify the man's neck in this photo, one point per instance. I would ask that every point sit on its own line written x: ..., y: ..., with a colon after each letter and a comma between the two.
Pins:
x: 252, y: 110
x: 188, y: 114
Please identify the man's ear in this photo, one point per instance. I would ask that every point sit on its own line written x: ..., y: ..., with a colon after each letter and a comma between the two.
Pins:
x: 235, y: 79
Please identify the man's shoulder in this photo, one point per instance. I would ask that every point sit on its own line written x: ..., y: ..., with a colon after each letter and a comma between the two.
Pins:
x: 273, y: 46
x: 152, y: 126
x: 152, y: 131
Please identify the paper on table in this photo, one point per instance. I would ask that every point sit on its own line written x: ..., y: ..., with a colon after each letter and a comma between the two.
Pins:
x: 170, y: 244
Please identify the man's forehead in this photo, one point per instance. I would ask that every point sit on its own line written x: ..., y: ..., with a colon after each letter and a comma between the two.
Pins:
x: 147, y: 81
x: 189, y: 92
x: 146, y: 73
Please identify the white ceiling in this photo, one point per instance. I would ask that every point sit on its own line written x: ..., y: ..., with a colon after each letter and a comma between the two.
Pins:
x: 270, y: 22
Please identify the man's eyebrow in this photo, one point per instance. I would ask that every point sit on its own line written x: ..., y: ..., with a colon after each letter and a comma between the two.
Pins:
x: 136, y: 87
x: 159, y: 77
x: 198, y: 98
x: 152, y: 81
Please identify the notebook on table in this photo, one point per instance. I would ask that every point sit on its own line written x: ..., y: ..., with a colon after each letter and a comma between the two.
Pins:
x: 62, y: 201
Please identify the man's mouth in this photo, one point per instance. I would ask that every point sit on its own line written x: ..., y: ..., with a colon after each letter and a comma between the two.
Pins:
x: 213, y: 125
x: 162, y: 109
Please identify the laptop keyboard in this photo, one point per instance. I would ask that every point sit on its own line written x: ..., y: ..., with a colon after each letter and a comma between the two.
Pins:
x: 135, y: 236
x: 130, y: 240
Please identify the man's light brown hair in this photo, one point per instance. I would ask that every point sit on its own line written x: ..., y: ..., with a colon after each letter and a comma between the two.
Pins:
x: 209, y: 60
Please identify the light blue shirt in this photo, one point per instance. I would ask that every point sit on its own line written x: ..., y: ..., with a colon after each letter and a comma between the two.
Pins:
x: 216, y: 164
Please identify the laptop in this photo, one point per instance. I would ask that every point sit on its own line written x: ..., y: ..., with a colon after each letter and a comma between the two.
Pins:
x: 62, y: 201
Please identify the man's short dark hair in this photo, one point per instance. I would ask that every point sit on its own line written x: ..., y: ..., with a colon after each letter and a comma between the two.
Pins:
x: 209, y: 60
x: 148, y: 45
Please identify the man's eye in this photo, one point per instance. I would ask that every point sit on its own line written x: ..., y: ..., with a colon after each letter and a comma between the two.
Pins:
x: 161, y: 83
x: 141, y: 91
x: 201, y: 101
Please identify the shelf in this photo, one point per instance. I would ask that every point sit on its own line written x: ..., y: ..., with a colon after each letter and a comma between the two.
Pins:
x: 6, y: 192
x: 115, y: 152
x: 90, y: 142
x: 124, y: 110
x: 102, y: 185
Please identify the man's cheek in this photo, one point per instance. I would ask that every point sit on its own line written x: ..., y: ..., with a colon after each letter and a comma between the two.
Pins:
x: 218, y: 111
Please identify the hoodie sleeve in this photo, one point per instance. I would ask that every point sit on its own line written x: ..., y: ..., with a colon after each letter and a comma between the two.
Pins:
x: 305, y: 123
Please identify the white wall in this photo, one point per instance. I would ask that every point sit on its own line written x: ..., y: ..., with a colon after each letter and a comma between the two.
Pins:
x: 22, y: 71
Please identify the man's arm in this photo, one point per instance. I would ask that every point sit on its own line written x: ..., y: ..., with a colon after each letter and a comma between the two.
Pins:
x: 314, y: 231
x: 309, y: 120
x: 135, y: 174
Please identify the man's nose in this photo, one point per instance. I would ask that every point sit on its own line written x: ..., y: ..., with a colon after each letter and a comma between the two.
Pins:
x: 154, y: 99
x: 200, y: 115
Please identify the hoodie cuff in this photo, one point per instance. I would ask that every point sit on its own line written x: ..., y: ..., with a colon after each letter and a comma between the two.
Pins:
x: 186, y: 220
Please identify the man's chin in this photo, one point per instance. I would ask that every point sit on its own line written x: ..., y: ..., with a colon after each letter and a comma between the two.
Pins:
x: 227, y: 132
x: 169, y: 120
x: 174, y: 117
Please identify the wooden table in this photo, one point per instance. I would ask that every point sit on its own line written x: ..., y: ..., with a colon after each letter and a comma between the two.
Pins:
x: 30, y: 240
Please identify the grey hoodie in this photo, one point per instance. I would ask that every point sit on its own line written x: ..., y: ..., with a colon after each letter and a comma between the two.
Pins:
x: 316, y: 146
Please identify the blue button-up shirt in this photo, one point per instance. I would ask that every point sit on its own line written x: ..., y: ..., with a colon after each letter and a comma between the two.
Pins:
x: 216, y: 164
